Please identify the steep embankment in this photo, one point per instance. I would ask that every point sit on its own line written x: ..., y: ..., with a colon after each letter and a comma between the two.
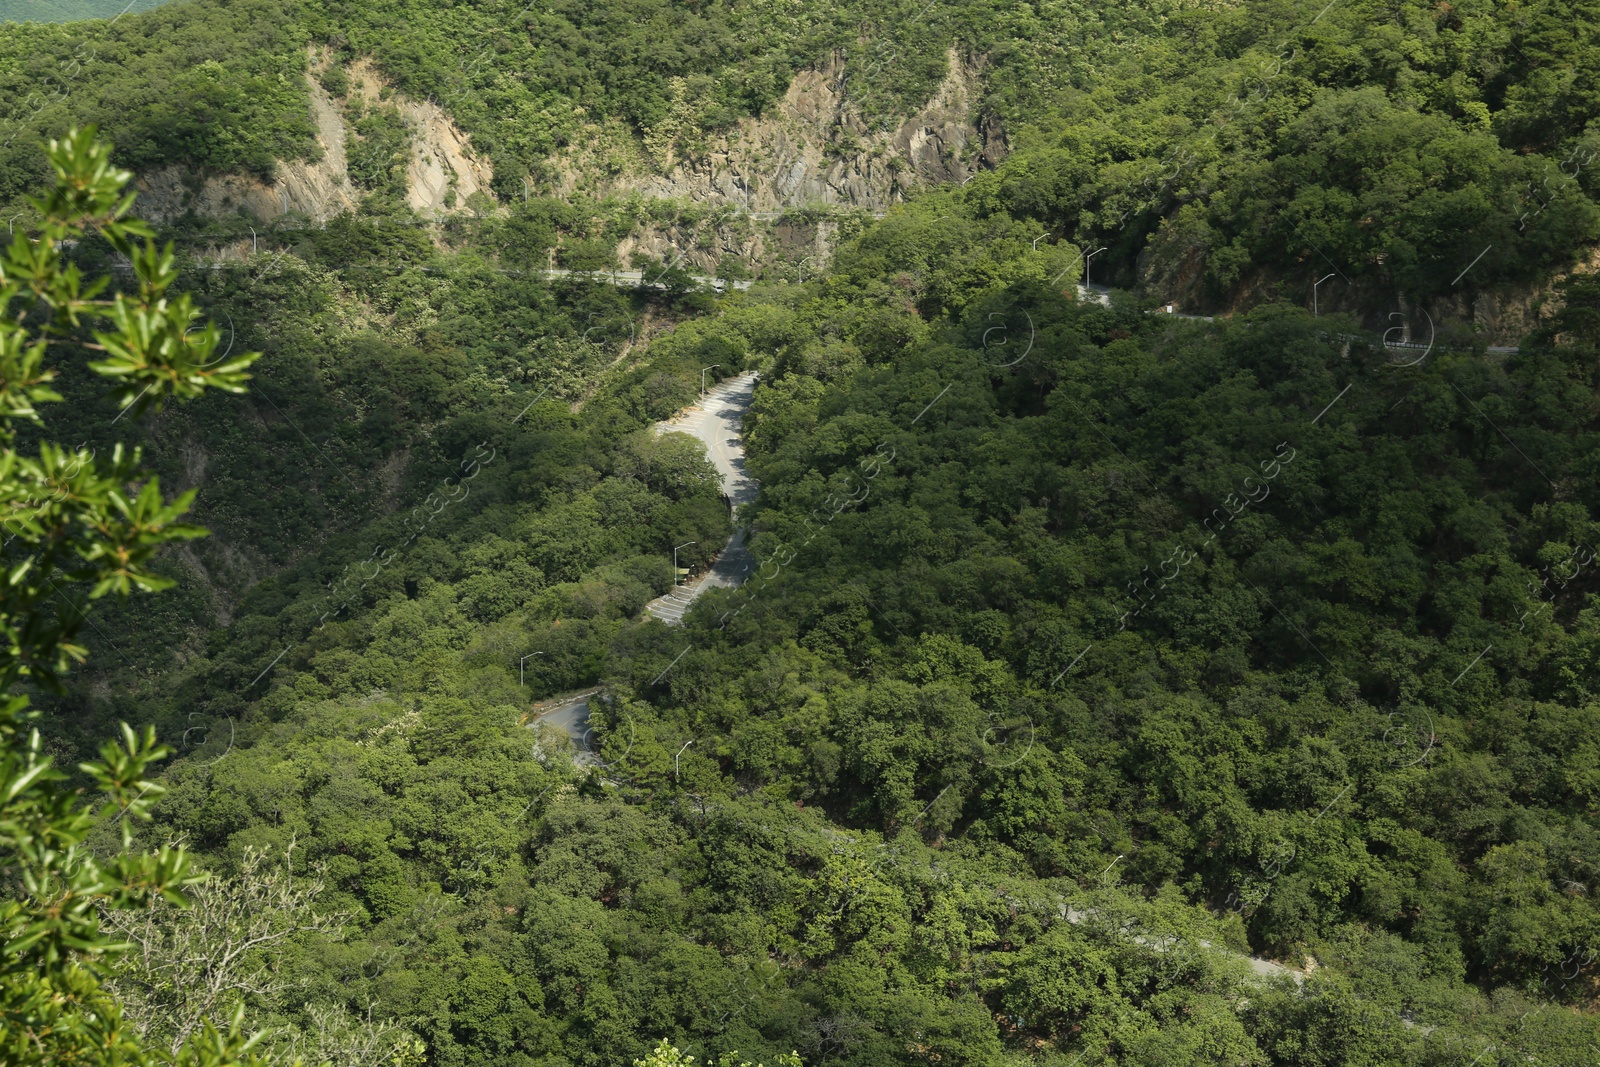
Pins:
x: 814, y: 147
x: 439, y: 162
x: 813, y: 151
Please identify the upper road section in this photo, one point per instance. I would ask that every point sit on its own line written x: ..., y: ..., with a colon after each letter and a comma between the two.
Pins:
x: 716, y: 421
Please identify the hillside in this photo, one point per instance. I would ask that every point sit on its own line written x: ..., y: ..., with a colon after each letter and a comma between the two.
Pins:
x: 1436, y: 161
x: 956, y: 771
x: 69, y: 10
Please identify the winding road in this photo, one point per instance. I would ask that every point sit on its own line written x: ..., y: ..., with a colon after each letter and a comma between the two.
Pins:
x: 570, y: 714
x: 716, y: 421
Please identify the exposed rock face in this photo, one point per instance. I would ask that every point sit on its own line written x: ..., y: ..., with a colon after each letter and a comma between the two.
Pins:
x: 1507, y: 315
x: 811, y: 149
x: 700, y: 250
x: 441, y: 160
x: 318, y: 191
x: 815, y: 148
x: 441, y: 155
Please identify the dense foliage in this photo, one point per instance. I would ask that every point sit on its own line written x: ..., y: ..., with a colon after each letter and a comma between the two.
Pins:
x: 69, y: 10
x: 963, y: 780
x: 1091, y: 651
x: 76, y: 521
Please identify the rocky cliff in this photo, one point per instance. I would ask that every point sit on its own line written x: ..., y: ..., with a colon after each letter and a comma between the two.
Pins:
x: 442, y: 171
x: 812, y: 148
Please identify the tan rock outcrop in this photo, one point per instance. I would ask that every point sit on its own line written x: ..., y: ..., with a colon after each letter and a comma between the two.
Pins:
x: 441, y: 161
x: 813, y: 148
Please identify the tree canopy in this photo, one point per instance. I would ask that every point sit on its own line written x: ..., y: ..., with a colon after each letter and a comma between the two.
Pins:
x: 1110, y: 686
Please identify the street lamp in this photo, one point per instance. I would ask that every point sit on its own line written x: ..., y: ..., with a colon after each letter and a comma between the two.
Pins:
x: 686, y: 544
x: 686, y: 744
x: 703, y: 370
x: 1086, y: 260
x: 800, y: 271
x: 1314, y: 285
x: 521, y: 665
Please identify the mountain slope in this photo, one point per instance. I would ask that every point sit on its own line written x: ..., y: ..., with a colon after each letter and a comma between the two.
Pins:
x: 1247, y: 633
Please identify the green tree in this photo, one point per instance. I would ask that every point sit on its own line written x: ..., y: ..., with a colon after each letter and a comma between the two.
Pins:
x: 587, y: 256
x: 731, y: 268
x: 75, y: 521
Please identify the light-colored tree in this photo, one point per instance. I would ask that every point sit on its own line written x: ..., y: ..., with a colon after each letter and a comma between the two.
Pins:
x: 667, y: 1055
x: 188, y: 966
x: 333, y: 1036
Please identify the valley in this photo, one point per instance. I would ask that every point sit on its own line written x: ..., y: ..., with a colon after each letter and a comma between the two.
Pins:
x: 616, y: 533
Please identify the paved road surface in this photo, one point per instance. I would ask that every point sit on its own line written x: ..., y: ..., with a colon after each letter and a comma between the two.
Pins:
x: 570, y: 714
x: 716, y: 421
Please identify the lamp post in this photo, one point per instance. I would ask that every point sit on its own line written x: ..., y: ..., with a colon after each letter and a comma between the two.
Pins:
x: 686, y: 744
x: 522, y: 665
x: 800, y: 271
x: 703, y: 370
x: 1086, y: 260
x: 686, y: 544
x: 1319, y: 281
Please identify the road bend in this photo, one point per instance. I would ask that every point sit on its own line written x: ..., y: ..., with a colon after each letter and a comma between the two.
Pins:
x: 716, y: 421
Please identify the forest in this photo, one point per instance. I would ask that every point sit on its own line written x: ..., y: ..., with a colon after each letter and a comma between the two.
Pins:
x: 961, y: 773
